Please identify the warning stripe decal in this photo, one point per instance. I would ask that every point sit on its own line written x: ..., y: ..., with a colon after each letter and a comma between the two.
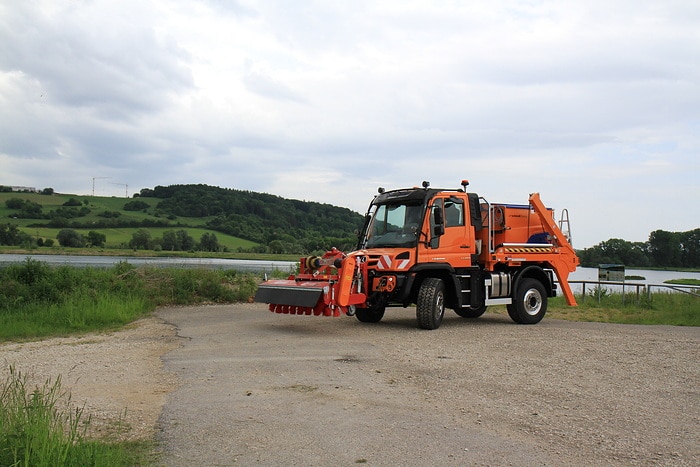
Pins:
x: 529, y: 250
x: 384, y: 262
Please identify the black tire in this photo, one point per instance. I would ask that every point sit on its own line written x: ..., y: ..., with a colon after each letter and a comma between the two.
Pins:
x: 471, y: 312
x: 530, y: 302
x: 369, y: 315
x: 430, y: 307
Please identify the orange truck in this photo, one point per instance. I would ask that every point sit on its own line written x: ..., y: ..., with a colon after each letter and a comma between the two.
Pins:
x: 436, y: 249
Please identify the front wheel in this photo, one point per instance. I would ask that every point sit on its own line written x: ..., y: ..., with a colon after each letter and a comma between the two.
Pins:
x: 430, y: 307
x: 529, y: 304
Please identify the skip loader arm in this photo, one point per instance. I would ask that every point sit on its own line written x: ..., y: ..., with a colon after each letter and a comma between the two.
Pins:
x: 565, y: 261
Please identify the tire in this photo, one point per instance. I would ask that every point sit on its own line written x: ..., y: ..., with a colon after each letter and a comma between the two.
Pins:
x: 471, y: 312
x: 430, y: 307
x: 369, y: 315
x: 530, y: 302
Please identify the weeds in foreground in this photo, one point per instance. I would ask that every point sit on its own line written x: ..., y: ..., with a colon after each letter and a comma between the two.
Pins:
x: 40, y: 427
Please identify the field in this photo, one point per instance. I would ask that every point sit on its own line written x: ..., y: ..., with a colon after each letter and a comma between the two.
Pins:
x: 116, y: 237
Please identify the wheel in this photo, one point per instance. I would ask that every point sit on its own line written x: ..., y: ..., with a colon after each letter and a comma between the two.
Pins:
x: 529, y: 304
x: 369, y: 315
x: 471, y: 312
x: 430, y: 307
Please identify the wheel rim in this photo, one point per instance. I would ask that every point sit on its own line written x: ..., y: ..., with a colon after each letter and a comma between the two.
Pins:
x: 440, y: 305
x: 532, y: 302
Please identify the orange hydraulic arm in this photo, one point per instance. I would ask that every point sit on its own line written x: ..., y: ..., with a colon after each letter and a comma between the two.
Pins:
x: 566, y: 260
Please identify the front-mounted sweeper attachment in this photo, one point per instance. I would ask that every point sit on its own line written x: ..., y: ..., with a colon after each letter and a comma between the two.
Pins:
x: 325, y: 286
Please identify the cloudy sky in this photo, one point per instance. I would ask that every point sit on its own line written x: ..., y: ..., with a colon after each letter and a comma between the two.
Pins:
x: 594, y: 104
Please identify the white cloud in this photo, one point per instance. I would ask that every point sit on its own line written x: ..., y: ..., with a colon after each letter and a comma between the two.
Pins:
x: 589, y: 103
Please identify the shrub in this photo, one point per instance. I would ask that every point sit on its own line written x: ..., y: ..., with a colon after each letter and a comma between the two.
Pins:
x: 141, y: 239
x: 136, y: 205
x: 14, y: 203
x: 96, y: 238
x: 70, y: 238
x: 72, y: 202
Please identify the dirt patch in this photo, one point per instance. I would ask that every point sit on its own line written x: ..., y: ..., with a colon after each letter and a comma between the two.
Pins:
x: 117, y: 378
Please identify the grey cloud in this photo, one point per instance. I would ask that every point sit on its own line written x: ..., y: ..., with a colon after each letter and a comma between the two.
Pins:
x: 111, y: 66
x: 270, y: 88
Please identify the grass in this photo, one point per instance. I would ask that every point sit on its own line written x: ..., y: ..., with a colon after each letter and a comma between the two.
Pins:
x: 116, y: 237
x: 37, y: 300
x: 96, y: 204
x: 683, y: 281
x: 40, y: 427
x: 664, y: 308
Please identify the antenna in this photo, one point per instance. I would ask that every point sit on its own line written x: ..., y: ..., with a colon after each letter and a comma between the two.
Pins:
x: 126, y: 188
x: 93, y: 183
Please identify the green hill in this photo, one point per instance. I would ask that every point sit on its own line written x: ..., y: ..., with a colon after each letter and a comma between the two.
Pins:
x: 241, y: 220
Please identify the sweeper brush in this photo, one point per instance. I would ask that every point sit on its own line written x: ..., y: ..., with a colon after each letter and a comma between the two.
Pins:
x: 322, y: 287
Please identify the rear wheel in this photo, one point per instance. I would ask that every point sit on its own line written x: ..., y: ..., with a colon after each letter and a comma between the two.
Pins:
x: 529, y: 304
x: 369, y: 315
x: 430, y: 307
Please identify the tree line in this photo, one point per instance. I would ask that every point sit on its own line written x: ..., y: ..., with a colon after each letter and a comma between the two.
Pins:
x: 663, y: 250
x: 278, y: 224
x: 142, y: 239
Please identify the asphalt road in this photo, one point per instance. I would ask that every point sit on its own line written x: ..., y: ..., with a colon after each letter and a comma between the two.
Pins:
x: 256, y: 388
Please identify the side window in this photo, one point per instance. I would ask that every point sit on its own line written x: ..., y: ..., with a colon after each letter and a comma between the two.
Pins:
x: 454, y: 214
x: 437, y: 206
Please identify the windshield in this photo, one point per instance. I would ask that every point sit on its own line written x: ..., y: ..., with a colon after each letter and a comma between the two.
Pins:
x: 395, y: 225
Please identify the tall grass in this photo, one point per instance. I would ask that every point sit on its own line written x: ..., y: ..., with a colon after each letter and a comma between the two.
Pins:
x: 37, y: 300
x: 40, y: 427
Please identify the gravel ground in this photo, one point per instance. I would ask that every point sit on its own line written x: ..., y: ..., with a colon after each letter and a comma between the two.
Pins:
x: 117, y: 378
x: 264, y: 389
x: 237, y: 385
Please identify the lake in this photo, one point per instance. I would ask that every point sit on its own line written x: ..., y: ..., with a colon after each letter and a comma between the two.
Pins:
x: 260, y: 266
x: 108, y: 261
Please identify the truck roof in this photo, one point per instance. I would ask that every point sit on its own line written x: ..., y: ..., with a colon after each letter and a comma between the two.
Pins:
x: 409, y: 195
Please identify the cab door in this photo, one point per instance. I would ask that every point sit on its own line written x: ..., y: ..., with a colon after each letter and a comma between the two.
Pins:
x: 456, y: 244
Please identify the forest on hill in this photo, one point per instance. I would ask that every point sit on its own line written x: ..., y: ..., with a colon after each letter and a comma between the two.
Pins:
x: 284, y: 225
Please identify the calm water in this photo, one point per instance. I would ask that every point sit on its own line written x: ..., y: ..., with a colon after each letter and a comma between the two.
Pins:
x: 581, y: 274
x: 108, y: 261
x: 650, y: 277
